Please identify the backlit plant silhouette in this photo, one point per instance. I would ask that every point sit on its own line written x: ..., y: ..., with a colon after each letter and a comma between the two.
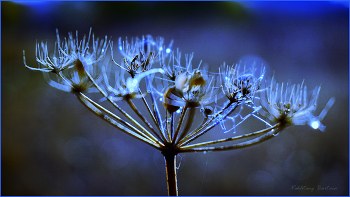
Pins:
x: 174, y: 94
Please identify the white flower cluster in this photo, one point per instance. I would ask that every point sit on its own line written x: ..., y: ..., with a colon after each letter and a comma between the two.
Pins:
x: 151, y: 67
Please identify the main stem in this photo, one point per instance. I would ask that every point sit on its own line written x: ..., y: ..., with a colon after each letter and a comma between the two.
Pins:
x: 170, y: 167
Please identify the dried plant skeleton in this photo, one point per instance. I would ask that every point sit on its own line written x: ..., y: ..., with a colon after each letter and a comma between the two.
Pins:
x: 174, y: 92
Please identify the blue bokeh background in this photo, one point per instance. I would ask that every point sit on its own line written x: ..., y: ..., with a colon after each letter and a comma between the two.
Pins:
x: 52, y: 145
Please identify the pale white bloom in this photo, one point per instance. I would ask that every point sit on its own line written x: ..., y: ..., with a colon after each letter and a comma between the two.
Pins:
x: 55, y: 62
x: 172, y: 66
x: 240, y: 86
x: 74, y: 79
x: 75, y: 49
x: 140, y: 54
x: 119, y: 91
x: 67, y: 53
x: 71, y: 61
x: 196, y: 89
x: 289, y: 105
x: 144, y: 46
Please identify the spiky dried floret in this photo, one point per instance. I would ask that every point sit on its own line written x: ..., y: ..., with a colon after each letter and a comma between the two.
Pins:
x: 289, y: 105
x: 140, y: 54
x: 240, y: 86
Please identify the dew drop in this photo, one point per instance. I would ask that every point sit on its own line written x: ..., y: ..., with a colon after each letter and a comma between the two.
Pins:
x: 168, y: 50
x: 205, y: 152
x: 275, y: 134
x: 315, y: 124
x: 178, y: 111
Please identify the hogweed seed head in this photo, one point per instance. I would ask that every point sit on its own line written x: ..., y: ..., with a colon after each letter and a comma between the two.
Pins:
x: 74, y: 79
x: 75, y: 49
x: 144, y: 46
x: 54, y: 63
x: 70, y: 60
x: 79, y: 69
x: 172, y: 67
x: 239, y: 86
x: 195, y: 88
x: 290, y: 106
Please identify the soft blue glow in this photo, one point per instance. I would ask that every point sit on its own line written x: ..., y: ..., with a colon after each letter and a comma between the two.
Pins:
x: 315, y: 124
x: 168, y: 50
x: 132, y: 84
x: 120, y: 48
x: 160, y: 48
x: 40, y: 8
x: 88, y: 61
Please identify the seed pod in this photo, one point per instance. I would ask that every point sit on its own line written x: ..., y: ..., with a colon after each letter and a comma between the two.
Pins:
x: 168, y: 96
x: 197, y: 79
x: 181, y: 81
x: 80, y: 68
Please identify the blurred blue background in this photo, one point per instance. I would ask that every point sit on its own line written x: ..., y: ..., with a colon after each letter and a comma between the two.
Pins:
x: 52, y: 145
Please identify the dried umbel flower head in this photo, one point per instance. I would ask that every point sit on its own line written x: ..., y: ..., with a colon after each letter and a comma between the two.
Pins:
x: 289, y: 105
x: 145, y: 45
x: 55, y: 62
x: 119, y: 91
x: 239, y: 86
x: 74, y: 80
x: 140, y: 54
x: 192, y: 88
x: 80, y: 49
x: 79, y: 69
x: 70, y: 61
x: 172, y: 67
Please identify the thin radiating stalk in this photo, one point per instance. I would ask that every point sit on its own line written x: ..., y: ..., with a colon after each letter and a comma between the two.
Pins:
x: 152, y: 115
x: 183, y: 112
x: 148, y: 108
x: 156, y: 110
x: 200, y: 132
x: 189, y: 122
x: 99, y: 113
x: 205, y: 123
x: 135, y: 122
x: 231, y: 138
x: 193, y: 132
x: 120, y: 110
x: 119, y: 119
x: 172, y: 124
x: 179, y: 143
x: 254, y: 141
x: 168, y: 124
x: 133, y: 107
